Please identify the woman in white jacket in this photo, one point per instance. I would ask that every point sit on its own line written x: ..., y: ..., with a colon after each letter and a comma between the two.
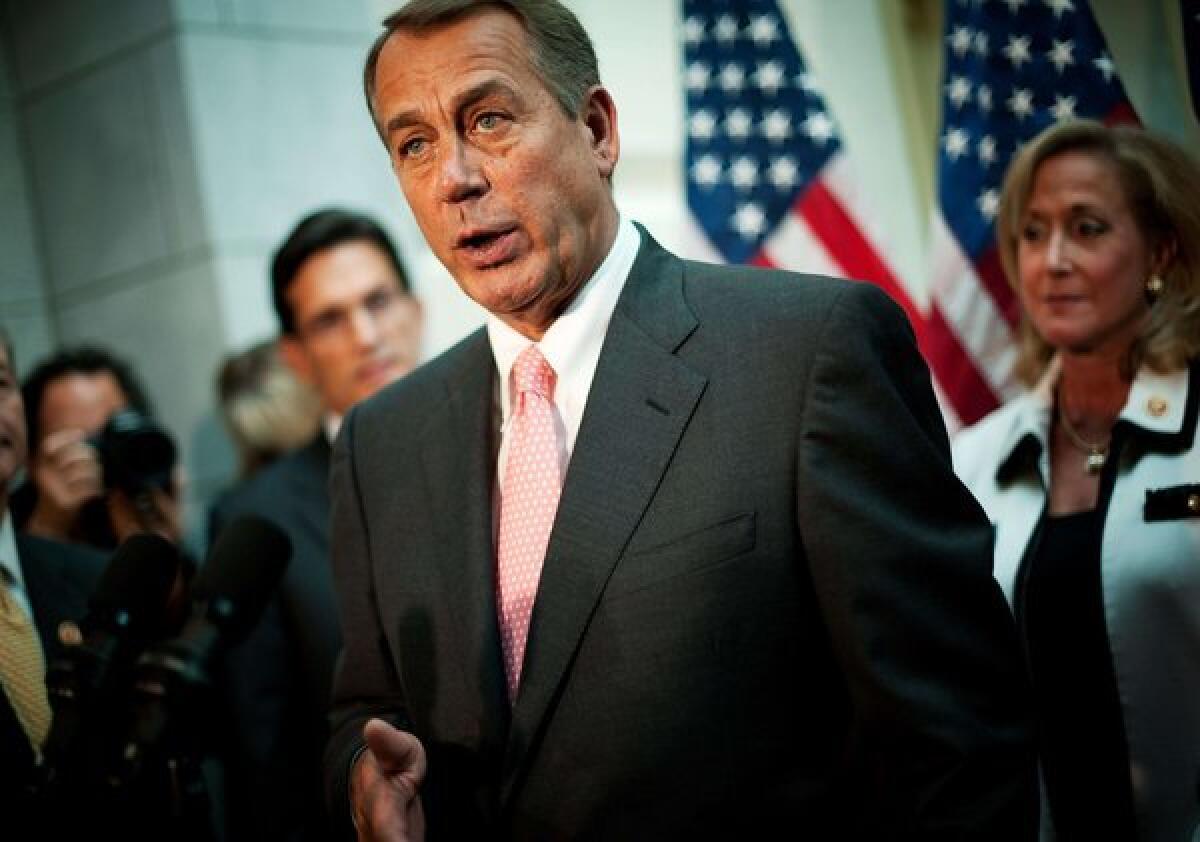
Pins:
x: 1092, y: 478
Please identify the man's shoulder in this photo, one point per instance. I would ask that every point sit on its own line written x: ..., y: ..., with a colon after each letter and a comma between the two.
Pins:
x: 45, y: 560
x: 761, y: 297
x: 86, y: 561
x: 273, y: 491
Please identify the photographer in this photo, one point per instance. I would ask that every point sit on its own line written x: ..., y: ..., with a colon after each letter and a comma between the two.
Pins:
x: 69, y: 496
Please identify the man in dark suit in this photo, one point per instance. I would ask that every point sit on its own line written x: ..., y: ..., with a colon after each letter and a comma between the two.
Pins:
x: 45, y: 580
x: 349, y: 325
x: 755, y: 596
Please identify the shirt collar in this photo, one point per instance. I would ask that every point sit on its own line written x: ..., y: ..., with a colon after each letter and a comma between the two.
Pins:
x: 1156, y: 403
x: 10, y: 565
x: 572, y: 344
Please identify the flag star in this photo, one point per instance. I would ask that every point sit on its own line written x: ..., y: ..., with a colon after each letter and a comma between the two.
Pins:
x: 693, y: 30
x: 738, y: 123
x: 777, y: 126
x: 1105, y: 65
x: 770, y: 77
x: 1063, y: 108
x: 981, y: 44
x: 763, y: 30
x: 983, y: 97
x: 955, y: 143
x: 958, y: 91
x: 783, y: 173
x: 960, y: 40
x: 987, y: 150
x: 749, y: 220
x: 807, y: 82
x: 702, y: 124
x: 1059, y: 6
x: 706, y: 171
x: 726, y: 30
x: 732, y: 78
x: 744, y: 173
x: 1017, y: 50
x: 1021, y: 103
x: 988, y: 202
x: 818, y: 126
x: 697, y: 76
x: 1060, y: 55
x: 1014, y: 6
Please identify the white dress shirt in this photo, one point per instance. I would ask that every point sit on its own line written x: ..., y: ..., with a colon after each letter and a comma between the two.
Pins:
x: 571, y: 345
x: 10, y: 565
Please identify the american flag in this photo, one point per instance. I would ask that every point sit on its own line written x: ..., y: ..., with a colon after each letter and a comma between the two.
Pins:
x: 1012, y: 68
x: 767, y: 177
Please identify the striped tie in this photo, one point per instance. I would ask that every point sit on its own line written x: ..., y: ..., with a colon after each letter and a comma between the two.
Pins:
x: 23, y: 668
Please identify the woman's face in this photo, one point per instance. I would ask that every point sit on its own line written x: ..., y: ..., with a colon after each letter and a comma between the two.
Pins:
x: 1082, y: 261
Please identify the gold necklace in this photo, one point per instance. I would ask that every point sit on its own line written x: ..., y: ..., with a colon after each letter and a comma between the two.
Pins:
x: 1097, y: 453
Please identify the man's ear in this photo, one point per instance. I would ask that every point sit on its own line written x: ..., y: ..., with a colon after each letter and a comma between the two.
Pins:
x: 599, y: 116
x: 295, y: 356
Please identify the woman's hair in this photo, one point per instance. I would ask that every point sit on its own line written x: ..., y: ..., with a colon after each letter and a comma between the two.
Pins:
x: 267, y: 410
x: 1161, y: 184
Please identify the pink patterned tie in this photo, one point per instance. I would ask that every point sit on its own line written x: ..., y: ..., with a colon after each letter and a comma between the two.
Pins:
x: 528, y: 501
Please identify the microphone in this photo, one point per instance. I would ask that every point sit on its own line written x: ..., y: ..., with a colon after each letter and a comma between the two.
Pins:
x: 125, y: 612
x: 171, y: 679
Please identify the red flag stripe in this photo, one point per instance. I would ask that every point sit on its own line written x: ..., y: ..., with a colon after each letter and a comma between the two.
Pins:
x: 960, y: 379
x: 843, y: 239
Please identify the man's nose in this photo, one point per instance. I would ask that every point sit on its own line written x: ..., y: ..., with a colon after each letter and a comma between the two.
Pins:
x: 363, y: 327
x: 460, y: 176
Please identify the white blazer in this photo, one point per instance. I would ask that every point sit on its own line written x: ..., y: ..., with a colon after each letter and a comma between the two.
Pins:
x: 1150, y: 570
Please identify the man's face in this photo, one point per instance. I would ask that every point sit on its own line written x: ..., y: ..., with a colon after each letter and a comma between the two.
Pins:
x: 12, y: 424
x: 510, y: 192
x: 79, y: 401
x: 356, y: 330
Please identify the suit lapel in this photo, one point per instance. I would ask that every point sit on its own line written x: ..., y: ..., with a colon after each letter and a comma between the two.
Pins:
x: 641, y: 399
x: 458, y: 460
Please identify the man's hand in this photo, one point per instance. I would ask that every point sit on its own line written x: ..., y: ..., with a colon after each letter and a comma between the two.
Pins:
x: 67, y: 473
x: 385, y: 786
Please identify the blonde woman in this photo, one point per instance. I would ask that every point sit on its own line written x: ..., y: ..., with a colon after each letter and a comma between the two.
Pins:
x: 1092, y: 478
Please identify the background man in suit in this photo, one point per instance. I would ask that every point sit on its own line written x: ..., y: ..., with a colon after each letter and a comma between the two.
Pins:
x: 44, y: 579
x: 764, y: 601
x: 349, y: 325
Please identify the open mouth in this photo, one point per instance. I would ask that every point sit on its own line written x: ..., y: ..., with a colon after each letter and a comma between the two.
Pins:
x: 485, y: 248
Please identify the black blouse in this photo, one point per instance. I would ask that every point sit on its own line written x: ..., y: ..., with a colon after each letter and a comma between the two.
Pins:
x: 1085, y: 759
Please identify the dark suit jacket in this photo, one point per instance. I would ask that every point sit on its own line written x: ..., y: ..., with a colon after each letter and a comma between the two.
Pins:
x: 278, y: 680
x: 59, y: 578
x: 766, y: 598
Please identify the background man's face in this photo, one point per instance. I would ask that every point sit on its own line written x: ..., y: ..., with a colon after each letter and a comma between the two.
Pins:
x: 78, y: 401
x: 12, y: 424
x: 509, y: 191
x: 356, y: 330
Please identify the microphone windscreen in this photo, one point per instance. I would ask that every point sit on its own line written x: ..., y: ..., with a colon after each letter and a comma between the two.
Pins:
x: 133, y: 589
x: 245, y: 565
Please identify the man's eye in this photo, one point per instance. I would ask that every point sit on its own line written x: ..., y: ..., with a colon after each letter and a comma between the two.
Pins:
x: 488, y: 122
x: 413, y: 147
x: 1031, y: 233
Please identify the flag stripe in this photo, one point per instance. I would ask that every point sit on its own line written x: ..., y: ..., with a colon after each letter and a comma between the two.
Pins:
x: 849, y: 248
x: 969, y: 393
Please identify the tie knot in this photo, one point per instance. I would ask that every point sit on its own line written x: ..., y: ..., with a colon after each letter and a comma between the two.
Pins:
x: 531, y: 373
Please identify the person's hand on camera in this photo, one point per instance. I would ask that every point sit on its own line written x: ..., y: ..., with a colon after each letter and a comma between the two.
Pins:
x: 385, y: 786
x: 66, y: 472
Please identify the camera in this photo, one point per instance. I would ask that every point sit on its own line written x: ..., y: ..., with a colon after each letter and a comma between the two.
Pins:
x: 135, y: 453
